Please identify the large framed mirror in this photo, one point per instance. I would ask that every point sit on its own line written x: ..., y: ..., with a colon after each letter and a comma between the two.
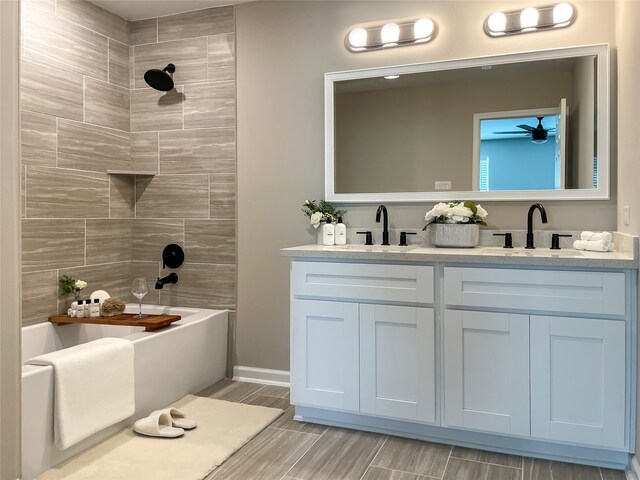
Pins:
x: 521, y: 126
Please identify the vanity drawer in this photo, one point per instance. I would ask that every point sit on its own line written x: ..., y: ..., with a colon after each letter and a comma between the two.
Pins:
x: 362, y: 282
x: 536, y: 290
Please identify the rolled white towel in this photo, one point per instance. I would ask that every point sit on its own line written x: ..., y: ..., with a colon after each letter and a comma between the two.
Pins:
x: 596, y: 236
x: 593, y: 245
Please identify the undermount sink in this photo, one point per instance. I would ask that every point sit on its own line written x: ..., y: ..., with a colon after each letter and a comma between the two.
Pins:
x: 493, y: 251
x: 370, y: 248
x: 536, y: 252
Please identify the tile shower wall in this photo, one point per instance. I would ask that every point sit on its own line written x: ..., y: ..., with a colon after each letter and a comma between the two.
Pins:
x: 75, y: 118
x: 86, y: 110
x: 188, y: 137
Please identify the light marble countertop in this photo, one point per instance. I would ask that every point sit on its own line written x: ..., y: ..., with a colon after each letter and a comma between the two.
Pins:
x: 625, y: 255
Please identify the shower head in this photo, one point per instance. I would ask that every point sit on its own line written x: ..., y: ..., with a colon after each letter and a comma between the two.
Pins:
x: 160, y: 79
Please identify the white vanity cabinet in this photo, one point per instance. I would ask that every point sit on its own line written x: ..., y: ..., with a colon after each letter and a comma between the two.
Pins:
x: 529, y: 360
x: 324, y: 350
x: 356, y: 355
x: 578, y: 380
x: 574, y: 388
x: 486, y: 371
x: 397, y: 362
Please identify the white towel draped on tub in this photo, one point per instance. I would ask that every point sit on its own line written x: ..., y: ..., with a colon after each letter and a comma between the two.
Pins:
x: 93, y: 387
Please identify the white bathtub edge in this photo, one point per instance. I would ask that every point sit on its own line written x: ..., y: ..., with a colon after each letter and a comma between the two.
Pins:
x: 200, y: 338
x: 264, y: 376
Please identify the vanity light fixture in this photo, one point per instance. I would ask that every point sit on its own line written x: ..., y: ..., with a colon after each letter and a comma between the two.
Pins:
x: 357, y: 38
x: 391, y: 34
x: 530, y: 20
x: 391, y: 77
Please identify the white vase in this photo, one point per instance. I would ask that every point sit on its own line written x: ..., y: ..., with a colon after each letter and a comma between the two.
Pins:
x: 455, y: 235
x: 319, y: 233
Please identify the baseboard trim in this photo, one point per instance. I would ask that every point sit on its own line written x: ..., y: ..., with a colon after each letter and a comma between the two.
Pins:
x: 466, y: 438
x: 261, y: 375
x: 634, y: 469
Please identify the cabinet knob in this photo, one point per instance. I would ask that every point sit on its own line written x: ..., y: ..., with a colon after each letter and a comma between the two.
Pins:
x: 368, y: 239
x: 508, y: 239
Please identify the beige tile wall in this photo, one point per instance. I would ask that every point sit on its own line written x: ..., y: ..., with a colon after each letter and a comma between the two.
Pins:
x: 86, y: 110
x: 190, y: 139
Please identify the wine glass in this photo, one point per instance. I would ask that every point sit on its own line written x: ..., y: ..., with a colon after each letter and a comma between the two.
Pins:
x: 139, y: 289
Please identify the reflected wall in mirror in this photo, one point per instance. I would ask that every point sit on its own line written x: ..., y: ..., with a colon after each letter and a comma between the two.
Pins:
x: 435, y: 127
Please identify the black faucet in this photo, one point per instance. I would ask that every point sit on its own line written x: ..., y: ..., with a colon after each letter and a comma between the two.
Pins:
x: 385, y: 224
x: 543, y: 215
x: 171, y: 278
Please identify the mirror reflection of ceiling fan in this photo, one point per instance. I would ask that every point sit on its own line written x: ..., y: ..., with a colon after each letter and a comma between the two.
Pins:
x: 538, y: 134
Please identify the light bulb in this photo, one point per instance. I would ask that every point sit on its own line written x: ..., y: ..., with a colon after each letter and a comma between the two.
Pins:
x: 497, y: 22
x: 423, y: 29
x: 562, y: 13
x: 529, y: 18
x: 389, y: 34
x: 358, y: 37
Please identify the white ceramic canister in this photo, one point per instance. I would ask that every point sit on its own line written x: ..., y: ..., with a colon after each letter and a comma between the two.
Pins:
x: 328, y: 234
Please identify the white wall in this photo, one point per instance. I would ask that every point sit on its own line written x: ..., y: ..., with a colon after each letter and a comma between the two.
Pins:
x: 9, y: 244
x: 283, y: 50
x: 627, y: 22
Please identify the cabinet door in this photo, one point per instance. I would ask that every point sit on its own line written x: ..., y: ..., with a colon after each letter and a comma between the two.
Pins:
x: 486, y: 371
x: 324, y: 354
x: 397, y: 355
x: 578, y: 380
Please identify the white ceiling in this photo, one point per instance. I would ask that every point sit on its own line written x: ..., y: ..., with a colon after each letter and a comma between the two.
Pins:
x: 141, y: 9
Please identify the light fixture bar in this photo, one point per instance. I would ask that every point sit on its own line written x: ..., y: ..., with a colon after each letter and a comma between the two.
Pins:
x: 390, y: 34
x: 529, y: 20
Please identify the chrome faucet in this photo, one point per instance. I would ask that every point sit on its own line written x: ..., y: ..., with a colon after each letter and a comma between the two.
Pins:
x: 543, y: 215
x: 385, y: 224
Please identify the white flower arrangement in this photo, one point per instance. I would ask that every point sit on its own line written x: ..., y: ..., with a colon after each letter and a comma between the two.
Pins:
x: 70, y: 285
x: 321, y: 212
x: 456, y: 212
x: 315, y: 219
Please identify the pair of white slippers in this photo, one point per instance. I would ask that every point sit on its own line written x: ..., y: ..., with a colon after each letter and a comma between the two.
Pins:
x: 167, y: 423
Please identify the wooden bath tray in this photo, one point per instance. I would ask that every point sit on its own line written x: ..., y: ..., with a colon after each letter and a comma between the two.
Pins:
x: 150, y: 322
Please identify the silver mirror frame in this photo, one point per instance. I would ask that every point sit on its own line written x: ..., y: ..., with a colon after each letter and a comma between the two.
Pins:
x: 602, y: 127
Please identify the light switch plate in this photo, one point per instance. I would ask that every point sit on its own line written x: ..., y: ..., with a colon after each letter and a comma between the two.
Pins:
x: 443, y: 184
x: 626, y: 214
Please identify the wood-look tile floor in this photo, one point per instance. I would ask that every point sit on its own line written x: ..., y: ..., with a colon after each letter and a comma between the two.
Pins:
x: 291, y: 450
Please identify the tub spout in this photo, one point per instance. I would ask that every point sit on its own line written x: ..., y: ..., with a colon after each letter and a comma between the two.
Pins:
x: 171, y: 278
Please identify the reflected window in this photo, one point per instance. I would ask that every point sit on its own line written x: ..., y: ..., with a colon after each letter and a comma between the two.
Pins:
x: 484, y: 173
x: 526, y: 148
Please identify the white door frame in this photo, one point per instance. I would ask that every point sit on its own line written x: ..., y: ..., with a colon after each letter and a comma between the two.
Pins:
x: 531, y: 112
x: 10, y: 318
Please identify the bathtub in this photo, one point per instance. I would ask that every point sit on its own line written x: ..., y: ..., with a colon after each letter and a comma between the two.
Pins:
x: 184, y: 358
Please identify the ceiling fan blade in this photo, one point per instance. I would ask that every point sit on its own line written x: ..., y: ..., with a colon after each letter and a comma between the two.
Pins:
x: 525, y: 127
x: 517, y: 131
